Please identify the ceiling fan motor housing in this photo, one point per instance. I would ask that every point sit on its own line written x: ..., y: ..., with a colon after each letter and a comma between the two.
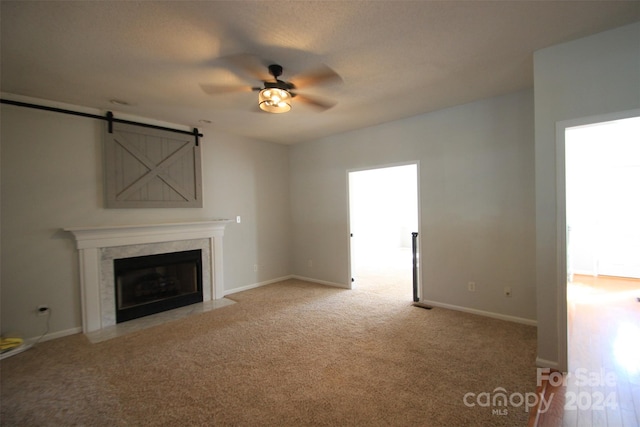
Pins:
x: 275, y: 70
x: 279, y: 84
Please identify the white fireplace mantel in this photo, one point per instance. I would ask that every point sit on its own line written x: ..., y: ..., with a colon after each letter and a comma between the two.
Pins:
x: 91, y: 240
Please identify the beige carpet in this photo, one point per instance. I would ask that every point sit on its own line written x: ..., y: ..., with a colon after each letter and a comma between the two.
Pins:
x: 287, y: 354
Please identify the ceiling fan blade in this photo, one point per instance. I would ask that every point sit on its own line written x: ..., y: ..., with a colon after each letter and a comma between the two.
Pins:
x: 223, y: 89
x: 250, y: 65
x: 314, y: 101
x: 319, y: 76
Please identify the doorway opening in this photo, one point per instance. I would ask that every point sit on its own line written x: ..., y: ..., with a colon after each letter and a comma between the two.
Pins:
x: 383, y: 212
x: 602, y: 223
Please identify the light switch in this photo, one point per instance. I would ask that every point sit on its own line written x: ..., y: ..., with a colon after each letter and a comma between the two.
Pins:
x: 238, y: 219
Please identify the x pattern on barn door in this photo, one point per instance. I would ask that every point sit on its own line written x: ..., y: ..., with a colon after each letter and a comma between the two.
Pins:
x: 151, y: 168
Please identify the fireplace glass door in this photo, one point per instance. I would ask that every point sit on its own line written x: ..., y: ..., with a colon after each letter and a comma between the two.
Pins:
x: 150, y: 284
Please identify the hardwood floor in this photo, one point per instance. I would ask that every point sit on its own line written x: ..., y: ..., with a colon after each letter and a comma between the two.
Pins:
x: 602, y: 387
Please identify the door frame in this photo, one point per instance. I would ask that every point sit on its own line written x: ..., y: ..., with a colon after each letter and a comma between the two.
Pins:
x: 561, y: 223
x: 349, y: 239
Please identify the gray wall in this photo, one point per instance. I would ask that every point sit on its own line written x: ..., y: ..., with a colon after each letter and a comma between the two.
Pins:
x: 52, y: 178
x: 476, y: 192
x: 592, y: 76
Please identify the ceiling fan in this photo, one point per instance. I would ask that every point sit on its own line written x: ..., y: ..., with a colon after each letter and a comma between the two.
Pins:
x: 275, y: 95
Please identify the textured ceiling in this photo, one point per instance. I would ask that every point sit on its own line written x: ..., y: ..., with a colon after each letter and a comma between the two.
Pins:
x: 396, y: 58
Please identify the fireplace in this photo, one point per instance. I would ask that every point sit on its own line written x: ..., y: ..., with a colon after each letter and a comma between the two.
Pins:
x: 151, y: 284
x: 98, y: 248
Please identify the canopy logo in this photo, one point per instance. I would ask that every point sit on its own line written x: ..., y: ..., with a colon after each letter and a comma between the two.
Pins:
x: 500, y: 402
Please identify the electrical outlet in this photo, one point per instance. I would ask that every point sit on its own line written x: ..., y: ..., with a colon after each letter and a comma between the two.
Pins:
x: 507, y: 291
x: 310, y: 263
x: 42, y: 310
x: 471, y: 286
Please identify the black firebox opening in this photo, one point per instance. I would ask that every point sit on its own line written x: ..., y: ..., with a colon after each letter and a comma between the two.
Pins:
x: 150, y: 284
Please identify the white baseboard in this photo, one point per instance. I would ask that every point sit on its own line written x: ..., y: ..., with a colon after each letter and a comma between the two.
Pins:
x: 54, y: 335
x: 539, y: 362
x: 530, y: 322
x: 544, y: 363
x: 59, y: 334
x: 255, y: 285
x: 281, y: 279
x: 584, y: 273
x: 321, y: 282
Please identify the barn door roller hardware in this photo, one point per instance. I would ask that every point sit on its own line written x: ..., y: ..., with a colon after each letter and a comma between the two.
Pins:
x: 108, y: 117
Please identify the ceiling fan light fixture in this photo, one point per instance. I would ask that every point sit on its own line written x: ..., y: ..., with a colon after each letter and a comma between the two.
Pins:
x: 274, y: 100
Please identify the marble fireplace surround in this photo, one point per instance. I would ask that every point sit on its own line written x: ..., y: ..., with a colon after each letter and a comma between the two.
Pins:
x: 99, y: 246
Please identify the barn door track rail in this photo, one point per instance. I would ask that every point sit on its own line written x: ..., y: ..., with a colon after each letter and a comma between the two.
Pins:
x: 108, y: 118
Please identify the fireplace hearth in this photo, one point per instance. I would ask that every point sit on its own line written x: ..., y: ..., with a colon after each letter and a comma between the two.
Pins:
x: 151, y: 284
